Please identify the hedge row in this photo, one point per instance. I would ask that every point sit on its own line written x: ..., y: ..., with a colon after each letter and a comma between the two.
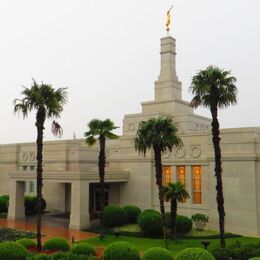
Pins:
x: 150, y: 221
x: 30, y: 204
x: 122, y: 251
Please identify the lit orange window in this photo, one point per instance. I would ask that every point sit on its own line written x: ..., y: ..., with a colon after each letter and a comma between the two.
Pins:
x: 196, y: 179
x: 167, y: 175
x: 181, y: 177
x: 181, y: 174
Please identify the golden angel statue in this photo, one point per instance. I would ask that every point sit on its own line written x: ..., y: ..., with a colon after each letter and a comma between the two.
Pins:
x: 168, y: 19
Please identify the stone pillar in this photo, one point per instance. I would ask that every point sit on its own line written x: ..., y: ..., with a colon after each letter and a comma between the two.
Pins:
x: 79, y: 216
x: 16, y: 200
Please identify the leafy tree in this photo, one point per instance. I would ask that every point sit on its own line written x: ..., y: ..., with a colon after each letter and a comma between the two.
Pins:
x: 101, y: 130
x: 175, y: 192
x: 48, y: 103
x: 160, y: 134
x: 215, y: 88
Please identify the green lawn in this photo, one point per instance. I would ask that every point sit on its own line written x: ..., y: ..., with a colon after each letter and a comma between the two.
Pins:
x: 174, y: 246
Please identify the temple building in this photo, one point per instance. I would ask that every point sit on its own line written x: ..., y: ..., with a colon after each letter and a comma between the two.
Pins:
x: 71, y: 171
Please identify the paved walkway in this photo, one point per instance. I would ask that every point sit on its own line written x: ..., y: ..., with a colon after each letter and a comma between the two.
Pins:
x: 47, y: 231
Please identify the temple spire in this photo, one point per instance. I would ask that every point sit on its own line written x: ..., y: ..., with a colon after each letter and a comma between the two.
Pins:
x: 168, y: 86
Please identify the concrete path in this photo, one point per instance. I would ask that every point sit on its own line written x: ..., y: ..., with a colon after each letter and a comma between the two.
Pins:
x: 47, y: 231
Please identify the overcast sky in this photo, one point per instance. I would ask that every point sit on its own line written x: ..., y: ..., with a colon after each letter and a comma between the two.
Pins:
x: 107, y: 54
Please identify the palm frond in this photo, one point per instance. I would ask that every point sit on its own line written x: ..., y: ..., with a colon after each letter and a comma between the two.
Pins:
x: 56, y: 129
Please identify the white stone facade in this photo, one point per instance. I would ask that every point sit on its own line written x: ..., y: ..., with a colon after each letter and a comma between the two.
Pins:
x: 71, y: 173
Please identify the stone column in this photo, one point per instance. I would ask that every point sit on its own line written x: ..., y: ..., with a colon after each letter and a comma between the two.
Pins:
x: 79, y: 216
x: 16, y: 200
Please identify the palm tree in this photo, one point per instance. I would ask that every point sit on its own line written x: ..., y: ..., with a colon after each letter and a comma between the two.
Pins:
x: 215, y: 88
x: 175, y: 192
x: 48, y: 103
x: 101, y: 130
x: 161, y: 135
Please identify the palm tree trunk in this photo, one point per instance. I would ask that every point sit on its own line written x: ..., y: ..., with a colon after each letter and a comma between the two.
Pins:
x: 158, y: 170
x: 173, y: 217
x: 40, y: 117
x: 218, y: 173
x: 101, y: 166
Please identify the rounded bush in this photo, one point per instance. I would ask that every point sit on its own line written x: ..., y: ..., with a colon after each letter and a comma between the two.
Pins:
x: 114, y: 216
x: 150, y: 222
x: 183, y: 224
x: 151, y: 211
x: 26, y: 242
x: 83, y: 249
x: 167, y: 219
x: 156, y: 253
x: 121, y: 251
x: 60, y: 256
x: 194, y: 254
x: 56, y: 243
x: 12, y: 250
x: 30, y: 204
x: 4, y: 204
x: 132, y: 213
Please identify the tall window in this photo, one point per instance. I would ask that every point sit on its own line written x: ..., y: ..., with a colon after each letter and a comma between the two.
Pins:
x: 167, y: 175
x: 181, y: 177
x: 181, y: 174
x: 196, y: 179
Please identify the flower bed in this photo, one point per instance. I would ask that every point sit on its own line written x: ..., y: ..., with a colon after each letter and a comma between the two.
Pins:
x: 9, y: 234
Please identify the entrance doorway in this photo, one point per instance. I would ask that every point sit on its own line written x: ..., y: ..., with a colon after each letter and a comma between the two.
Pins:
x: 94, y: 199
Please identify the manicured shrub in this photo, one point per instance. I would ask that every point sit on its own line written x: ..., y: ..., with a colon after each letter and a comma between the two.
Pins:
x: 57, y: 243
x: 83, y: 249
x: 156, y: 253
x: 114, y: 216
x: 30, y: 204
x: 12, y: 250
x: 183, y: 224
x: 121, y: 251
x: 150, y: 222
x: 26, y: 242
x: 152, y: 211
x: 200, y: 220
x: 61, y: 256
x: 4, y: 201
x: 6, y: 197
x: 167, y: 219
x: 194, y: 254
x: 132, y: 213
